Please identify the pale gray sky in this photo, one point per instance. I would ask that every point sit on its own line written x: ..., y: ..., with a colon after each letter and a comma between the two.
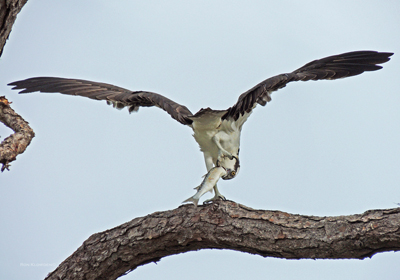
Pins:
x: 319, y: 148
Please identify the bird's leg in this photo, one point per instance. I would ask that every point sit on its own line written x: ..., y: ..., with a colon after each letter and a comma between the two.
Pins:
x: 209, y: 166
x: 221, y: 151
x: 209, y: 162
x: 217, y: 196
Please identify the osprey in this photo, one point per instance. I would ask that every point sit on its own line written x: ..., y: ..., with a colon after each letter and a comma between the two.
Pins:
x: 216, y: 131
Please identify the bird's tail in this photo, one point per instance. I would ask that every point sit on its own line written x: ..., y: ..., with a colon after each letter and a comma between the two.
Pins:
x: 192, y: 199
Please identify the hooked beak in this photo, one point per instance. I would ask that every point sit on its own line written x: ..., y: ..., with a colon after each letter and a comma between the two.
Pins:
x: 227, y: 176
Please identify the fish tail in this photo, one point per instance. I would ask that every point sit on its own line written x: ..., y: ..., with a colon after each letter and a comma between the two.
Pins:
x: 192, y: 199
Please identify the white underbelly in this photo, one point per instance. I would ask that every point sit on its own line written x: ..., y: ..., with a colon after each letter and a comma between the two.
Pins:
x: 229, y: 140
x: 228, y: 131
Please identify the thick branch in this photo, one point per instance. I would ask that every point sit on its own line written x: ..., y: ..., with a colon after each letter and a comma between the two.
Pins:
x: 8, y: 14
x: 16, y: 143
x: 229, y: 225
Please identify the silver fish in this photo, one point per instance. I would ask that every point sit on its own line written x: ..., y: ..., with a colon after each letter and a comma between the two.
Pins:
x: 211, y: 178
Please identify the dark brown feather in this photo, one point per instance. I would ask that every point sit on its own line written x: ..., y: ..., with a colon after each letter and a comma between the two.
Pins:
x: 117, y: 96
x: 328, y: 68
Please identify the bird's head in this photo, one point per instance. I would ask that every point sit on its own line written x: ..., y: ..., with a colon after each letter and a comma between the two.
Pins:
x: 232, y: 167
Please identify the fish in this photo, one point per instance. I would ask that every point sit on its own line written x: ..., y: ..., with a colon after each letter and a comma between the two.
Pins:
x: 210, y: 180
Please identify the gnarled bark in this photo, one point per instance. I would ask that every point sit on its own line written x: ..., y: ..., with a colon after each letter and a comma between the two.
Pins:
x: 8, y: 14
x: 16, y: 143
x: 229, y: 225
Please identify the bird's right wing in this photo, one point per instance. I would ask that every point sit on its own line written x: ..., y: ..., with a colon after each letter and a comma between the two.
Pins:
x: 117, y: 96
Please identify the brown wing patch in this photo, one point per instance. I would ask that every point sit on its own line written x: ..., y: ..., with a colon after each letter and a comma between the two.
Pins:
x: 328, y: 68
x: 117, y: 96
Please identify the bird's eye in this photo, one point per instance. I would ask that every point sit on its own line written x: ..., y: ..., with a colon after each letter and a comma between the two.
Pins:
x: 233, y: 173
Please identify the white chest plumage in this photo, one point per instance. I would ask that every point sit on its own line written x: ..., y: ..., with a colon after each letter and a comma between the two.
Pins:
x: 212, y: 133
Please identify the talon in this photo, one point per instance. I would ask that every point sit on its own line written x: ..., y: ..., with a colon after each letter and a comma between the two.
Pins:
x: 216, y: 197
x: 229, y: 155
x: 222, y: 154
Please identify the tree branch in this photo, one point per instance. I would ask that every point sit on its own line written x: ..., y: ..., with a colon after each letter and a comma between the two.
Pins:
x: 229, y: 225
x: 8, y: 14
x: 16, y: 143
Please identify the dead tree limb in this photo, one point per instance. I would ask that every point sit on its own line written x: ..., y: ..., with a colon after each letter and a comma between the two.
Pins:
x: 16, y: 143
x: 8, y: 14
x: 229, y: 225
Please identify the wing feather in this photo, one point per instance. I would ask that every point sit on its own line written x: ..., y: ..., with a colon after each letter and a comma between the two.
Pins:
x: 117, y: 96
x: 328, y: 68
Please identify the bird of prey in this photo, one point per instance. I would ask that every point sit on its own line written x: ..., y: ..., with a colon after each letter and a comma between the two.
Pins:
x: 216, y: 131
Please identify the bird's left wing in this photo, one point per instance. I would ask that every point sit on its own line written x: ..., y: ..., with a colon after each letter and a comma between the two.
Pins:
x: 117, y: 96
x: 328, y: 68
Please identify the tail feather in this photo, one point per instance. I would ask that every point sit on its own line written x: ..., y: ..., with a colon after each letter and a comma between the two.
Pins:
x: 192, y: 199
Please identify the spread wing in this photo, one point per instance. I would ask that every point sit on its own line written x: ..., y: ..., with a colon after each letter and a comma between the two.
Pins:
x: 328, y: 68
x: 117, y: 96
